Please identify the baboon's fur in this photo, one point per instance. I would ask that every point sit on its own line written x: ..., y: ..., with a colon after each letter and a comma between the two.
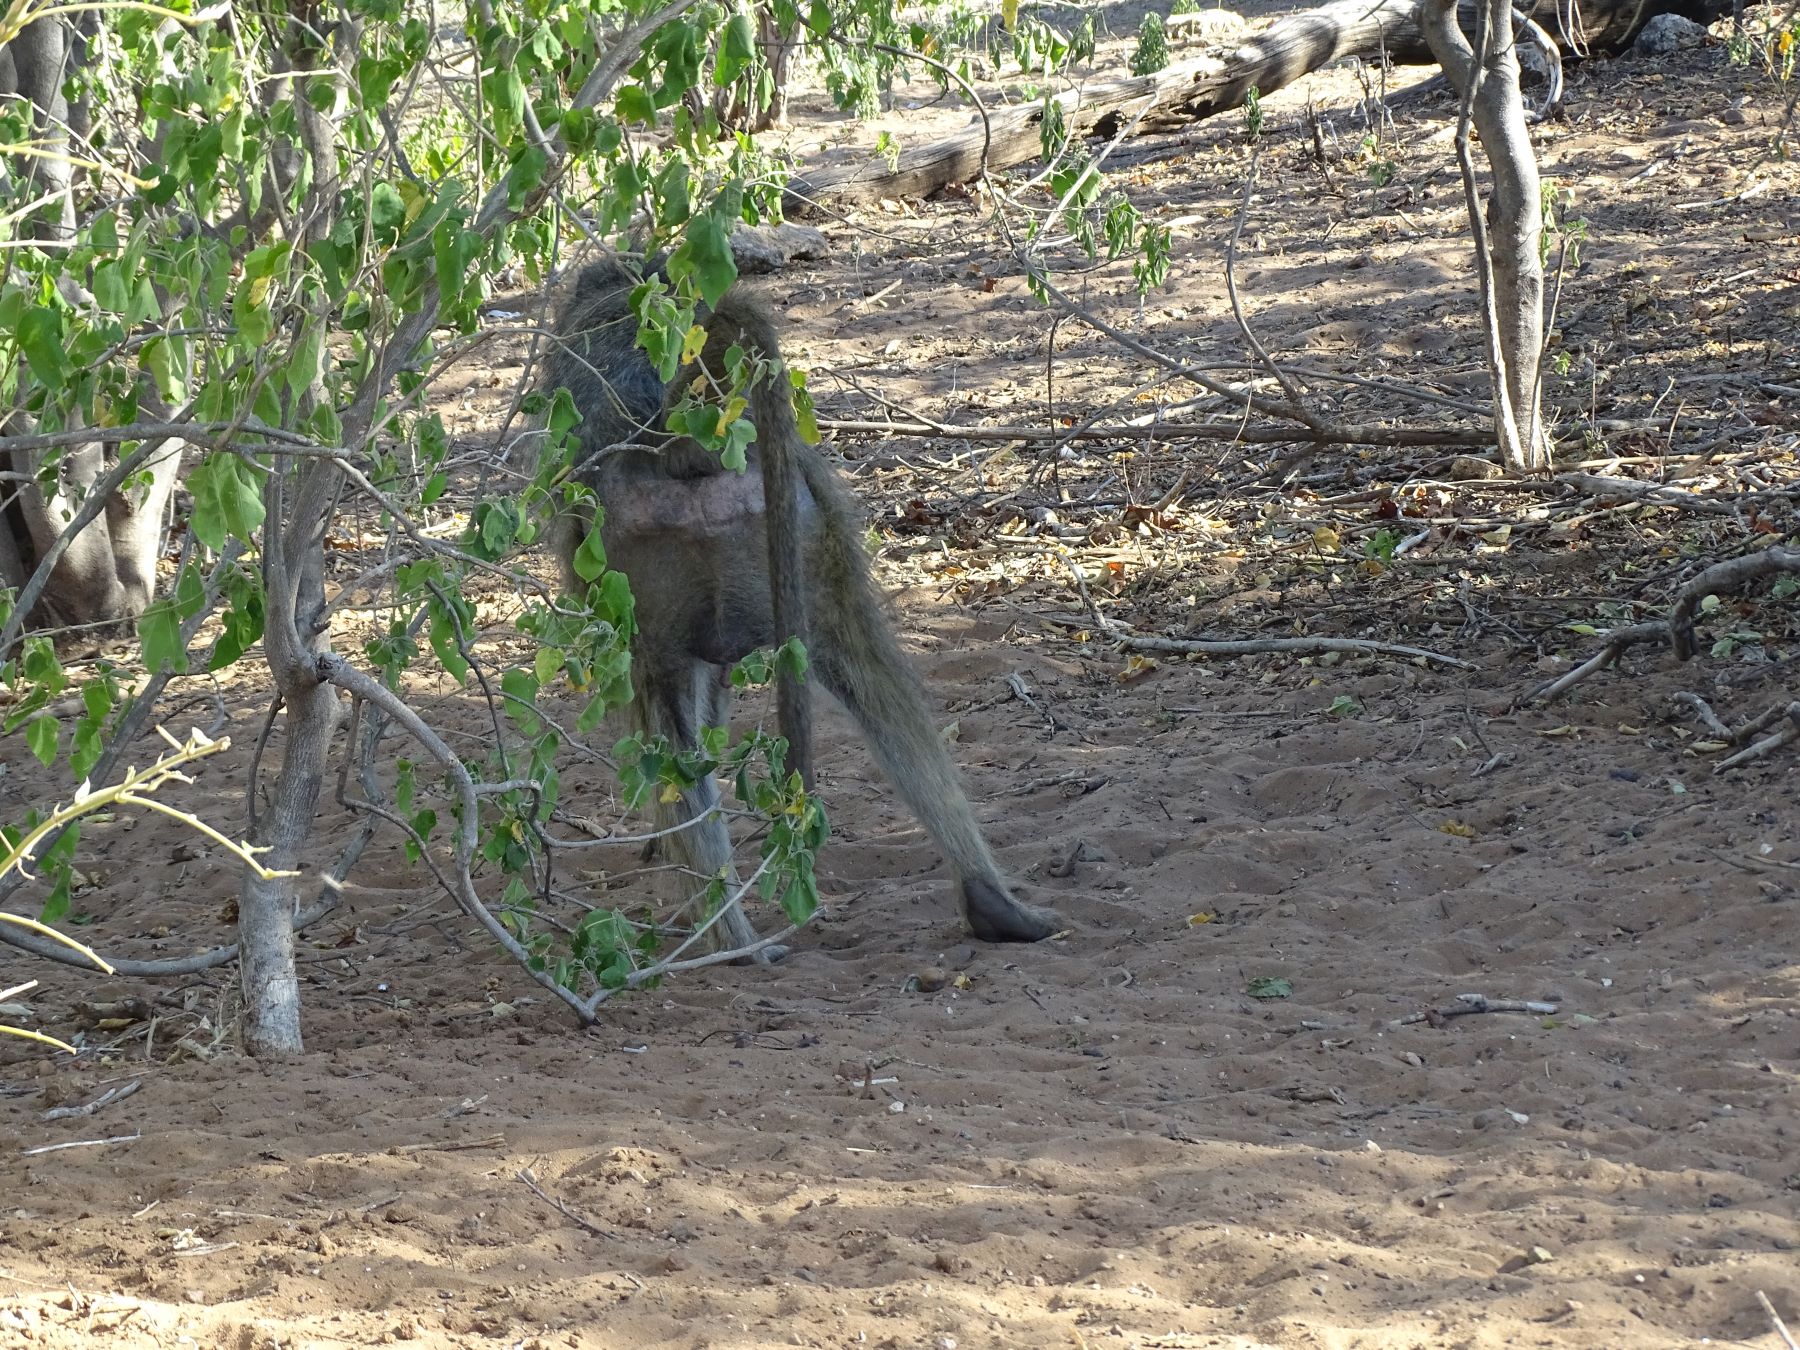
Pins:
x: 701, y: 544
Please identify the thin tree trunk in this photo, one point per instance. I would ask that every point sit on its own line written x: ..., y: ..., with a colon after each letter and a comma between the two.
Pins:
x: 1509, y: 235
x: 266, y: 910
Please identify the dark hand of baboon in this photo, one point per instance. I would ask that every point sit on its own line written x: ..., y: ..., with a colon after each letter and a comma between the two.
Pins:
x: 722, y: 564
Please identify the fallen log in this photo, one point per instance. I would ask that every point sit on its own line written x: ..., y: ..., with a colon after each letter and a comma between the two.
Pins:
x: 1200, y: 87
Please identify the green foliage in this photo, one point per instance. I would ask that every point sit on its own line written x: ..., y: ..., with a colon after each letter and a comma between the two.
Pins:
x: 1560, y: 228
x: 1152, y: 53
x: 1379, y: 168
x: 1380, y: 546
x: 1253, y: 113
x: 303, y: 205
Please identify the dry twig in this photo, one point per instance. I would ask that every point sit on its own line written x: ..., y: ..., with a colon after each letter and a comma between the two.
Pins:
x: 1467, y: 1004
x: 580, y: 1220
x: 105, y: 1099
x: 131, y: 1138
x: 1787, y: 1337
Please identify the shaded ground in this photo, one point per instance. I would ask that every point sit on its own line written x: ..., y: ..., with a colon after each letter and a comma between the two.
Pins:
x: 1105, y: 1140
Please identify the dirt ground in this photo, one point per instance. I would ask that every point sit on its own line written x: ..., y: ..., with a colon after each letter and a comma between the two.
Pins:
x: 1202, y: 1117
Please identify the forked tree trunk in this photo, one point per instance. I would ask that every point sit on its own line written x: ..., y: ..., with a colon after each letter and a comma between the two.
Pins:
x: 34, y: 66
x: 100, y: 551
x: 1509, y: 234
x: 104, y: 570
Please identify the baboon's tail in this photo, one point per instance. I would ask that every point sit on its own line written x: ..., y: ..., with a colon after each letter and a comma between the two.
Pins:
x: 779, y: 450
x: 860, y: 660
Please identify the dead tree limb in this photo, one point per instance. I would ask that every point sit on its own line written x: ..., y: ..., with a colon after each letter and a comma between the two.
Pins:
x: 1678, y: 628
x: 1201, y: 87
x: 1188, y: 90
x: 1731, y: 575
x: 1222, y: 429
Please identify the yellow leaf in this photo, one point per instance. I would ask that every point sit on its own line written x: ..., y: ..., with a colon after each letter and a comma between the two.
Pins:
x: 1204, y: 916
x: 1499, y: 536
x: 961, y: 982
x: 692, y: 343
x: 1707, y: 747
x: 1461, y: 829
x: 1626, y: 729
x: 1009, y: 13
x: 1325, y: 539
x: 1564, y: 730
x: 414, y: 198
x: 670, y: 793
x: 1136, y: 668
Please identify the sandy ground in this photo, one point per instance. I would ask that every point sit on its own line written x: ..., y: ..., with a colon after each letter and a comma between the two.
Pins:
x: 1108, y: 1139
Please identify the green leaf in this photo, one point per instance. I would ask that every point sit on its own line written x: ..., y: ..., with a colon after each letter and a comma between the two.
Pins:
x: 387, y: 213
x: 590, y: 558
x: 40, y: 337
x: 307, y: 359
x: 112, y: 289
x: 159, y: 630
x: 709, y: 258
x: 190, y: 593
x: 1270, y: 986
x: 162, y: 358
x: 737, y: 49
x: 806, y: 416
x: 634, y: 104
x: 226, y: 500
x: 521, y: 688
x: 42, y: 736
x: 547, y: 664
x: 56, y: 904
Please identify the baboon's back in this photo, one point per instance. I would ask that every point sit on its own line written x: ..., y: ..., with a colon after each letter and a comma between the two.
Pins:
x: 597, y: 359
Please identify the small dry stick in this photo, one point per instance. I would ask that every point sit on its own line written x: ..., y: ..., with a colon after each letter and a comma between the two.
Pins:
x: 1730, y: 575
x: 1787, y: 1337
x: 1243, y: 646
x: 579, y: 1220
x: 1616, y: 643
x: 1786, y: 736
x: 1300, y: 646
x: 1477, y: 1003
x: 107, y: 1098
x: 1708, y: 718
x: 83, y: 1143
x: 450, y: 1145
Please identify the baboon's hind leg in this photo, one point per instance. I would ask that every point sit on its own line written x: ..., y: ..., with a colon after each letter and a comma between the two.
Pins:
x: 857, y: 658
x: 675, y: 704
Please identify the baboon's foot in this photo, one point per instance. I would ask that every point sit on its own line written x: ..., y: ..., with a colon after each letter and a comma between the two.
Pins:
x: 994, y: 916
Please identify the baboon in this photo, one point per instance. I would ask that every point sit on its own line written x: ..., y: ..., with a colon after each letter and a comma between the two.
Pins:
x: 723, y: 563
